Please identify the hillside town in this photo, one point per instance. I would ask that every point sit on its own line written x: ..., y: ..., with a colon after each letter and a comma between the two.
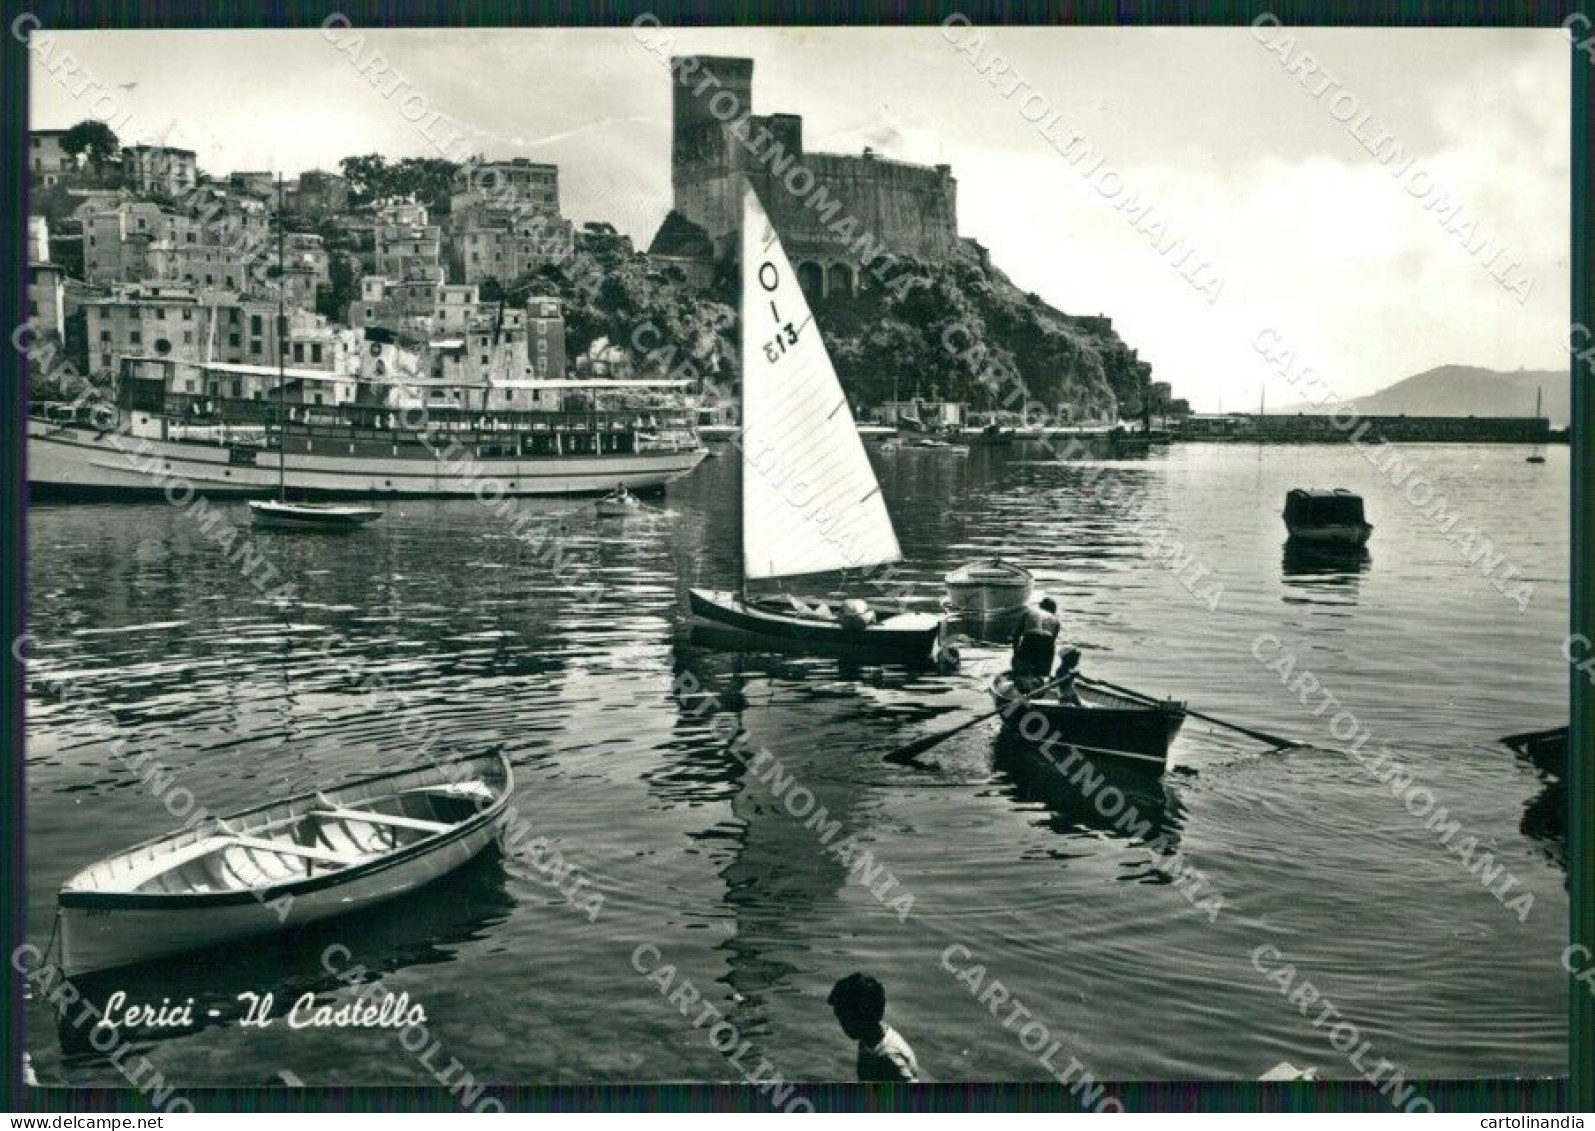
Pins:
x: 135, y: 254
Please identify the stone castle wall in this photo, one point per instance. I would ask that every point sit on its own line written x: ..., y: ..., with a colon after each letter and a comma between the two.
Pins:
x: 909, y: 210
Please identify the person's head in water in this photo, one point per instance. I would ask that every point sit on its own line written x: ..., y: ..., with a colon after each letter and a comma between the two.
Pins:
x: 859, y: 1003
x: 1049, y: 604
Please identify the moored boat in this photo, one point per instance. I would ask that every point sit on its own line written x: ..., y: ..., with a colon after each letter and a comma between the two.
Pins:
x: 1547, y: 749
x: 1134, y: 727
x: 1332, y: 517
x: 310, y: 516
x: 989, y: 587
x: 283, y: 864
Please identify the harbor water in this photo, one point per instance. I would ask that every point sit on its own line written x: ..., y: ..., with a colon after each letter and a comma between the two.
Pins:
x: 148, y: 634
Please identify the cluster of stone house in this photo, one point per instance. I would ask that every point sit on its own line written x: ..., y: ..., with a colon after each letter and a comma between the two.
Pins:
x: 178, y: 269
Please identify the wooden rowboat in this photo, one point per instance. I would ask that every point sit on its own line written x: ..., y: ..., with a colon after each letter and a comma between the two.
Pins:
x: 310, y: 516
x: 1112, y: 723
x: 283, y: 864
x: 988, y: 587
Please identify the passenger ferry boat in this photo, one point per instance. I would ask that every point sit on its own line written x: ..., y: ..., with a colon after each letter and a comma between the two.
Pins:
x: 366, y: 446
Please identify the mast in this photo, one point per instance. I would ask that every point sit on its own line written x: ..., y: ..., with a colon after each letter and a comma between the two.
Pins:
x: 282, y: 340
x: 739, y: 272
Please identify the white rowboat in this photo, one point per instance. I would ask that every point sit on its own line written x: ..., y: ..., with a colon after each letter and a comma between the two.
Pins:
x: 282, y: 865
x: 311, y: 516
x: 990, y: 586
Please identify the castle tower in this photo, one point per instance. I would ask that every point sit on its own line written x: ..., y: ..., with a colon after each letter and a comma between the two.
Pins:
x: 703, y: 158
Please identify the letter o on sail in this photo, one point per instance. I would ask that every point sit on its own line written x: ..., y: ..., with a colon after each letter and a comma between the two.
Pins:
x: 793, y: 404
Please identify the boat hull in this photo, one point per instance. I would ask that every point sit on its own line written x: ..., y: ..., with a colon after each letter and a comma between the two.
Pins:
x: 1114, y: 725
x: 1344, y: 534
x: 989, y: 588
x: 105, y: 929
x: 908, y: 636
x: 96, y: 938
x: 76, y: 462
x: 292, y: 517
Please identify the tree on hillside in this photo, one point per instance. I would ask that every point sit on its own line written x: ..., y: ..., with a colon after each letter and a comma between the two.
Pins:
x: 429, y: 179
x: 93, y: 141
x: 343, y: 272
x: 366, y: 175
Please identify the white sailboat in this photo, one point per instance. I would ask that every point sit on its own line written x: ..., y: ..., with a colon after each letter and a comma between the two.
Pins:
x: 810, y: 500
x: 1538, y: 454
x: 280, y: 513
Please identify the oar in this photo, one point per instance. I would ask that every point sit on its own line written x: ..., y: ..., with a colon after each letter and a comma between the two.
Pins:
x: 1261, y: 736
x: 914, y: 749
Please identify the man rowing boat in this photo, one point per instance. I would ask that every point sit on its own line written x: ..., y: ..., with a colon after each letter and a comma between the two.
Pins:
x: 1034, y: 642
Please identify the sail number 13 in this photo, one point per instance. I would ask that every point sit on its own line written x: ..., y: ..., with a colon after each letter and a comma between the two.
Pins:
x: 786, y: 334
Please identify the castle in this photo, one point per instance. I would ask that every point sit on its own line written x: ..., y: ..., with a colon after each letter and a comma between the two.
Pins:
x: 909, y: 211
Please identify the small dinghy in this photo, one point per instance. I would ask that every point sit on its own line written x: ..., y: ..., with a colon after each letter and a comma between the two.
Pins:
x: 618, y: 505
x: 282, y: 865
x: 1123, y: 725
x: 310, y: 516
x: 989, y: 587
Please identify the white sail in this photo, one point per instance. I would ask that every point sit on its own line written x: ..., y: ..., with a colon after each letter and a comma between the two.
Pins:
x: 810, y: 500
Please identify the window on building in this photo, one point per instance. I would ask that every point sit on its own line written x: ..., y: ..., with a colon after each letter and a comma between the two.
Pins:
x: 254, y: 323
x: 238, y: 388
x: 232, y: 340
x: 188, y: 337
x: 105, y: 335
x: 188, y: 314
x: 160, y: 312
x: 315, y: 352
x: 135, y: 337
x: 254, y: 346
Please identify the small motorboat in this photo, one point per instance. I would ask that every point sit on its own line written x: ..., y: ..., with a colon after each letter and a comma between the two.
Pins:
x: 906, y: 636
x: 1119, y: 724
x: 1327, y: 517
x: 280, y: 514
x: 618, y: 505
x: 282, y: 865
x: 989, y: 587
x: 930, y: 443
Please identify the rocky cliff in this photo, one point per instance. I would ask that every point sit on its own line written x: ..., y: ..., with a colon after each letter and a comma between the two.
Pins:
x: 956, y: 330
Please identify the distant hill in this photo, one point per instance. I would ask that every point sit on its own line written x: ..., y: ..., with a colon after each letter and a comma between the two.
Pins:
x: 1463, y: 390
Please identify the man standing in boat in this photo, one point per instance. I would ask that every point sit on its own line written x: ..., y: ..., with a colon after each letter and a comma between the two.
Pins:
x: 1034, y: 643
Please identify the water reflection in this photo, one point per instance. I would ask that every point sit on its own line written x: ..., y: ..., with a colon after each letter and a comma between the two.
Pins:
x: 1327, y: 570
x: 424, y: 928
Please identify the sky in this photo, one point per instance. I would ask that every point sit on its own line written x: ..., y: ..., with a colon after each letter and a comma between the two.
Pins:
x: 1323, y: 255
